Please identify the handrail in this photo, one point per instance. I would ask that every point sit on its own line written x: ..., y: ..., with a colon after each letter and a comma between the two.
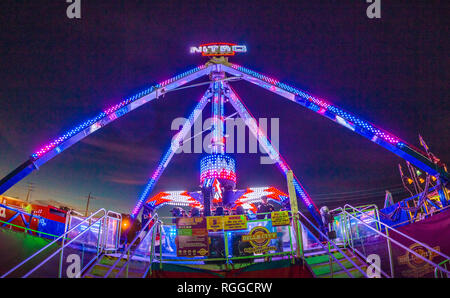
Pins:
x: 337, y: 248
x: 398, y: 243
x: 53, y: 242
x: 356, y: 250
x: 150, y: 232
x: 152, y: 248
x: 155, y: 216
x: 403, y: 234
x: 118, y: 232
x: 441, y: 263
x: 323, y: 246
x: 226, y: 258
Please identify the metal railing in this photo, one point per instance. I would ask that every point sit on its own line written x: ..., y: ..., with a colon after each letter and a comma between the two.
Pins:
x: 62, y: 237
x: 113, y: 219
x: 348, y: 235
x: 113, y: 223
x: 98, y: 221
x: 154, y: 220
x: 438, y: 273
x: 228, y: 257
x: 147, y: 270
x: 328, y: 250
x: 389, y: 240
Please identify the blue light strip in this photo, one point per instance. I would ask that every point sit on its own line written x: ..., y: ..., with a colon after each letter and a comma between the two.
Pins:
x: 81, y: 131
x: 113, y: 112
x: 316, y: 105
x: 344, y: 118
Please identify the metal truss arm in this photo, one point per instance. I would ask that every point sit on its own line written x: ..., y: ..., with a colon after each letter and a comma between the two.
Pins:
x: 171, y: 151
x: 250, y: 121
x: 344, y: 118
x: 83, y: 130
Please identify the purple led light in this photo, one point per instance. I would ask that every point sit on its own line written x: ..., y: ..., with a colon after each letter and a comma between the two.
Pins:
x: 324, y: 105
x: 109, y: 113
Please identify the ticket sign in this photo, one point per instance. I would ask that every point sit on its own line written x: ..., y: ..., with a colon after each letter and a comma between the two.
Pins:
x: 280, y: 218
x: 192, y: 237
x: 234, y: 222
x: 190, y: 223
x: 214, y: 223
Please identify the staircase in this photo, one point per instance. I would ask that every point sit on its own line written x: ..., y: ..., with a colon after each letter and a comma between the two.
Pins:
x: 319, y: 262
x: 135, y: 259
x: 134, y: 268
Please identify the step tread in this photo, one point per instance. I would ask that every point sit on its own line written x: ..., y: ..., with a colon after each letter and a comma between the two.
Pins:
x: 322, y: 258
x: 342, y: 274
x: 319, y: 264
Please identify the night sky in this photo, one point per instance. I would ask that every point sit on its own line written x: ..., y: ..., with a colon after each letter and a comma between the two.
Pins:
x: 57, y: 72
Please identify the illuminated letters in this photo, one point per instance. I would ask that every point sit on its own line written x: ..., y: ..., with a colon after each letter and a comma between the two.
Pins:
x: 218, y: 49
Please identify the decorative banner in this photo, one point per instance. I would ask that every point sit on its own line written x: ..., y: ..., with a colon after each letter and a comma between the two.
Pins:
x: 234, y: 222
x: 435, y: 232
x: 259, y: 238
x: 416, y: 266
x: 192, y: 237
x: 214, y: 223
x: 280, y: 218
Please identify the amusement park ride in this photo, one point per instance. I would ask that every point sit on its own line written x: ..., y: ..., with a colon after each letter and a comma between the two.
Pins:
x: 218, y: 165
x: 218, y: 170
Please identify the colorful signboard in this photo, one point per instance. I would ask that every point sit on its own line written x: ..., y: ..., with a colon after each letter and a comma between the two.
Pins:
x: 214, y: 223
x: 192, y: 237
x: 259, y: 238
x: 234, y: 222
x: 280, y: 218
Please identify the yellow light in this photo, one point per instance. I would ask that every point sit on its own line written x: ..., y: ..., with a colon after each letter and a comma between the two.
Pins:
x: 433, y: 178
x: 421, y: 180
x: 410, y: 181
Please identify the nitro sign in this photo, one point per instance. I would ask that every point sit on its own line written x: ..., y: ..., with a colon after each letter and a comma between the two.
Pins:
x: 218, y: 49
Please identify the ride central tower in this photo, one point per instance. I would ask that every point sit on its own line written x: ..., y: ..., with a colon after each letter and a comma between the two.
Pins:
x: 217, y: 170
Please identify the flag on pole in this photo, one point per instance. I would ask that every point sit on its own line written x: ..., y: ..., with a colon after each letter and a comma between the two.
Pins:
x: 401, y: 170
x: 422, y: 142
x: 388, y: 200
